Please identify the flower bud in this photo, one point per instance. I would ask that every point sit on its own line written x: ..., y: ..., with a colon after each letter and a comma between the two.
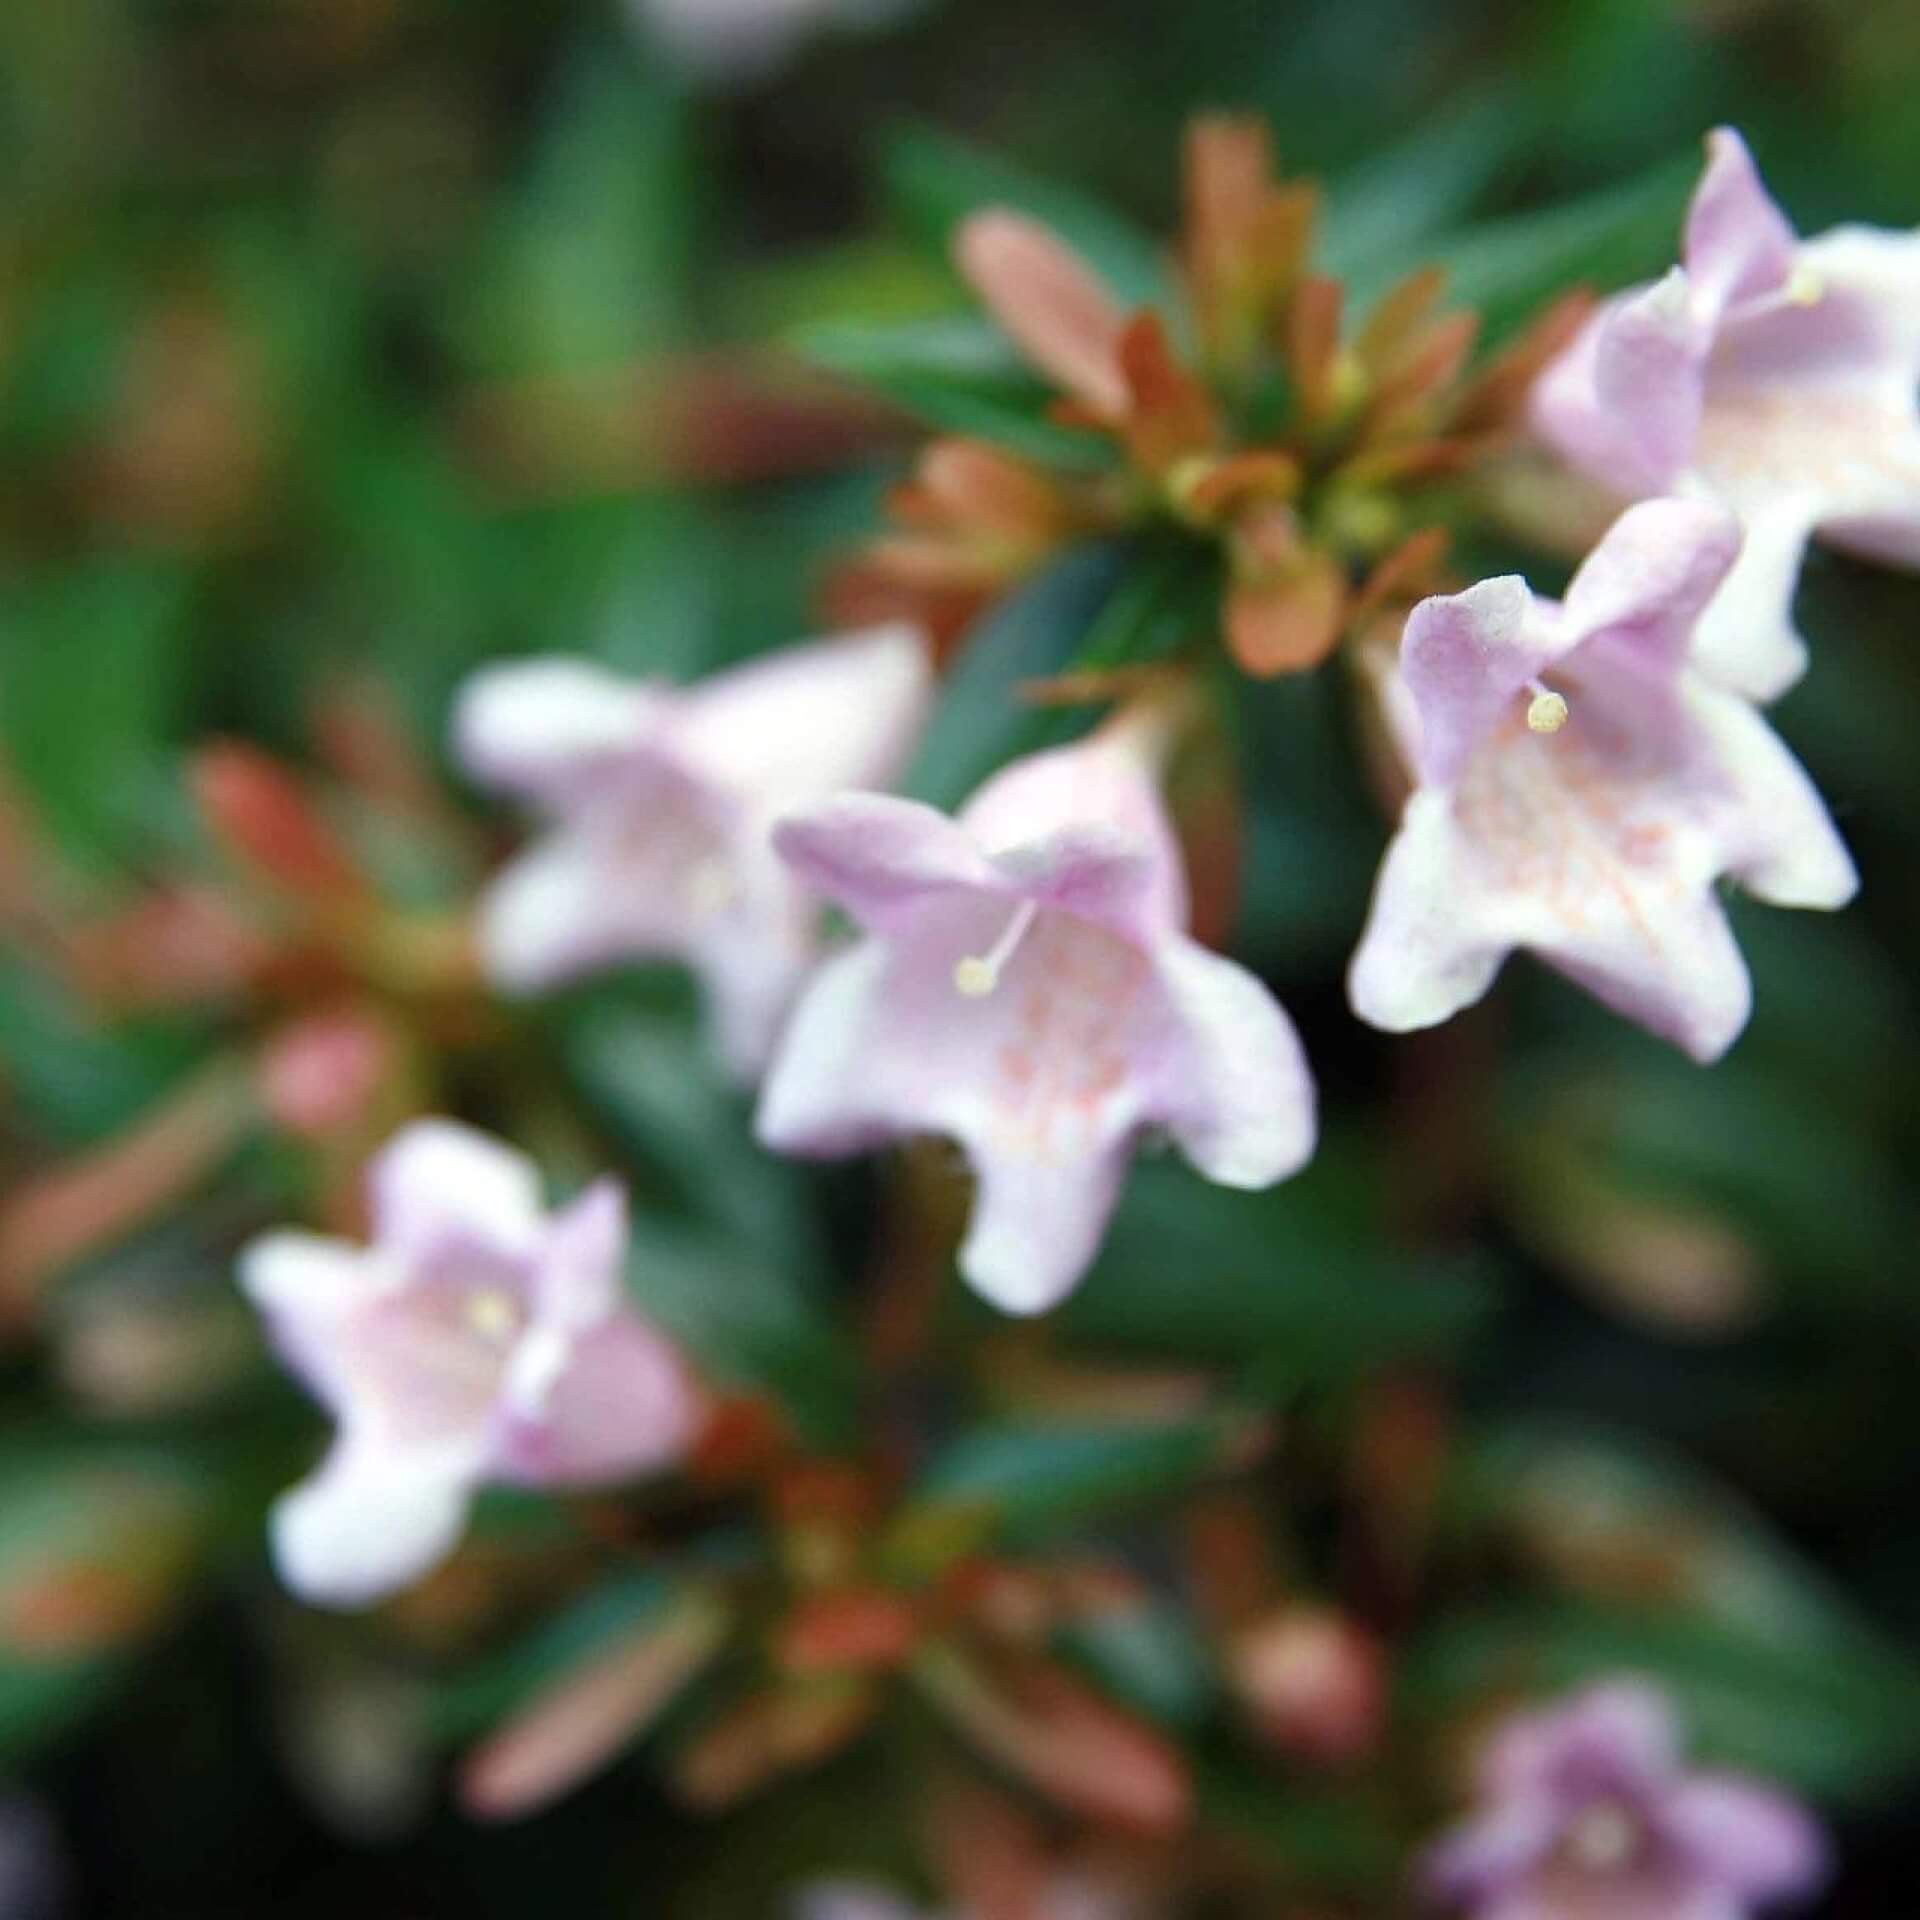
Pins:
x: 1314, y: 1683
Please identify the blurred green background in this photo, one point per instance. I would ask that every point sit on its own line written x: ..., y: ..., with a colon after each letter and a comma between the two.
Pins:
x: 345, y: 344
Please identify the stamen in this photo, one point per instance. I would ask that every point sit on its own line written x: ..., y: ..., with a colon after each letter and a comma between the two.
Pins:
x: 1547, y: 711
x: 709, y: 887
x: 493, y: 1314
x: 1805, y: 287
x: 1603, y: 1838
x: 978, y: 974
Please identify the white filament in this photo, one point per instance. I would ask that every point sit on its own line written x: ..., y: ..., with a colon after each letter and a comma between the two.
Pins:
x: 978, y: 974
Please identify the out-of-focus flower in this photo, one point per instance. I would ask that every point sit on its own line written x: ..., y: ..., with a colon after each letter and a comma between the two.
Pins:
x: 1314, y: 1682
x: 1306, y: 451
x: 662, y: 802
x: 1773, y: 374
x: 1026, y: 987
x: 744, y: 40
x: 1586, y: 1814
x: 477, y: 1339
x: 1580, y: 790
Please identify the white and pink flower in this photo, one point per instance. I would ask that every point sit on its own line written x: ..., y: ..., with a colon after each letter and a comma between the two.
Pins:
x: 661, y: 802
x: 1774, y: 375
x: 1026, y: 986
x: 477, y: 1339
x: 1580, y: 791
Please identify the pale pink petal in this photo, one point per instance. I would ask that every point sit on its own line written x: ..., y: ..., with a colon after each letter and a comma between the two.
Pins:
x: 306, y: 1286
x: 1738, y: 243
x: 438, y: 1182
x: 1641, y: 591
x: 368, y: 1523
x: 1782, y: 845
x: 830, y: 1090
x: 552, y: 729
x: 809, y: 720
x: 1649, y: 380
x: 852, y: 1900
x: 1746, y: 640
x: 1566, y: 414
x: 1619, y: 1736
x: 1064, y: 799
x: 1236, y: 1092
x: 1464, y: 657
x: 879, y: 857
x: 572, y: 905
x: 577, y: 1279
x: 1495, y: 1850
x: 1749, y: 1838
x: 1037, y: 1223
x: 601, y: 1403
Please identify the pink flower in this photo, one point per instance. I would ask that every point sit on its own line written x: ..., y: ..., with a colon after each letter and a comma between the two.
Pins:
x: 1586, y: 1814
x: 1026, y: 987
x: 1774, y: 375
x: 1580, y: 789
x: 477, y: 1339
x: 661, y: 802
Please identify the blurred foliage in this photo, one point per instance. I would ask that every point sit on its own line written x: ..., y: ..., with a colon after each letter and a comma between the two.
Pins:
x: 347, y: 344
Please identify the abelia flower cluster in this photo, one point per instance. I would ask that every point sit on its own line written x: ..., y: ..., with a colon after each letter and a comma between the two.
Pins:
x: 1586, y: 1813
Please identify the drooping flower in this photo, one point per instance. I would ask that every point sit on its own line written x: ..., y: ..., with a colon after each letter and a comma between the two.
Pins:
x: 662, y: 800
x: 1579, y: 791
x: 478, y: 1338
x: 1586, y: 1813
x: 1026, y: 987
x: 1775, y: 375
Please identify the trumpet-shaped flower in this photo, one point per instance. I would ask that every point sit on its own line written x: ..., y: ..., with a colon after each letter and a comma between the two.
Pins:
x: 1026, y: 987
x: 477, y: 1339
x: 1579, y: 791
x: 1775, y: 375
x: 662, y: 801
x: 1586, y: 1814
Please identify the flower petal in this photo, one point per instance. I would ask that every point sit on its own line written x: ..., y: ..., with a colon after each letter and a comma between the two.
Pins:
x: 368, y: 1523
x: 1739, y: 245
x: 1619, y: 1736
x: 306, y: 1285
x: 1424, y: 953
x: 1237, y: 1093
x: 1464, y: 657
x: 1640, y: 592
x: 808, y: 720
x: 1485, y: 1856
x: 601, y: 1403
x: 1037, y: 1224
x: 577, y: 1280
x: 1649, y: 377
x: 437, y: 1182
x: 1044, y: 814
x: 552, y: 729
x: 1747, y: 1837
x: 1746, y: 640
x: 830, y: 1090
x: 880, y: 857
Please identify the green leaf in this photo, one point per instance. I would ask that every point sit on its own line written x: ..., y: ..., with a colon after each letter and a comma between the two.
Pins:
x: 958, y: 374
x: 980, y: 722
x: 1150, y: 1656
x: 1665, y: 1572
x: 1298, y: 1285
x: 934, y: 182
x: 1381, y: 216
x: 1509, y: 267
x: 1030, y: 1481
x: 591, y: 262
x: 93, y: 668
x: 1835, y: 1727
